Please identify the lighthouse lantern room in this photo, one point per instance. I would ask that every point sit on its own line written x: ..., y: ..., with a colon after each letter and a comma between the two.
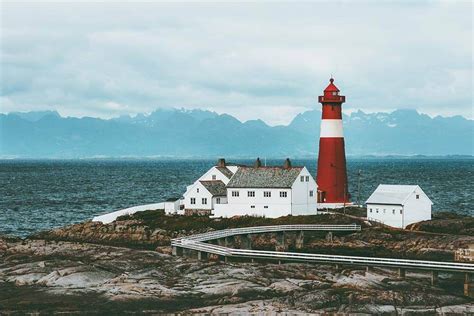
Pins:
x: 331, y: 174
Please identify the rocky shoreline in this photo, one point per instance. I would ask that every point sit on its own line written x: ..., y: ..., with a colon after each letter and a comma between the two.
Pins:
x: 114, y: 269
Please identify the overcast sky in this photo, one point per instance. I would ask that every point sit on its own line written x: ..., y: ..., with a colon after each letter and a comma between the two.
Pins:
x: 251, y: 60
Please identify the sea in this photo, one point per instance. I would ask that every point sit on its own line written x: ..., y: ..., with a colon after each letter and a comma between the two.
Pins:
x: 37, y: 195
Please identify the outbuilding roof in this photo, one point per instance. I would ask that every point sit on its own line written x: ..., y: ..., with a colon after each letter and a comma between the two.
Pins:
x: 215, y: 187
x: 392, y: 194
x: 264, y: 177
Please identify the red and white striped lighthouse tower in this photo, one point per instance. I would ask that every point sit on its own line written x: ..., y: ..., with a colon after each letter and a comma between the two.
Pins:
x: 332, y: 176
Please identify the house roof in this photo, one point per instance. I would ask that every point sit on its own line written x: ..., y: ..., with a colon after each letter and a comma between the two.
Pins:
x: 215, y: 187
x: 225, y: 171
x: 391, y: 194
x: 264, y: 177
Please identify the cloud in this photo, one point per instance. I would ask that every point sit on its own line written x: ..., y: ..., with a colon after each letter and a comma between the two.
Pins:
x: 266, y: 60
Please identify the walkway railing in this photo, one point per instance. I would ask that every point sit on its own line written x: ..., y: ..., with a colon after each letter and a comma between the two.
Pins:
x: 267, y: 229
x: 196, y: 242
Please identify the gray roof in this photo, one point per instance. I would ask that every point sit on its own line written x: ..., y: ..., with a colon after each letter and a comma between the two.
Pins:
x: 215, y: 187
x: 391, y: 194
x: 225, y: 171
x: 264, y: 177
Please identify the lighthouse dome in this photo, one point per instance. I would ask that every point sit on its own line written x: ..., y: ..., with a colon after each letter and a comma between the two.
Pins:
x: 331, y: 87
x: 331, y: 90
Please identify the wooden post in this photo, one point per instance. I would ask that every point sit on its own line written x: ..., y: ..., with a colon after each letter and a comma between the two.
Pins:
x: 246, y: 241
x: 177, y: 251
x: 221, y: 242
x: 434, y: 277
x: 228, y: 241
x: 202, y: 255
x: 281, y: 242
x: 299, y: 240
x: 401, y: 273
x: 467, y: 285
x: 329, y: 237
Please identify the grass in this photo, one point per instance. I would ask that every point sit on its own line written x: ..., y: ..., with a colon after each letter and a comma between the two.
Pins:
x: 154, y: 220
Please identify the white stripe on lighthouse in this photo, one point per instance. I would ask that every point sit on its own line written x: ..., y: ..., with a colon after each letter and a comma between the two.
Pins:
x: 331, y: 128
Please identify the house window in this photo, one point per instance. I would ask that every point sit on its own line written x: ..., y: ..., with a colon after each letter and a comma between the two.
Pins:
x: 417, y: 196
x: 370, y: 210
x: 307, y: 178
x: 377, y: 210
x: 302, y: 178
x: 393, y: 211
x: 252, y: 206
x: 193, y: 200
x: 197, y: 190
x: 401, y: 211
x: 235, y: 193
x: 204, y: 201
x: 311, y: 193
x: 251, y: 193
x: 218, y: 200
x: 266, y: 206
x: 267, y: 194
x: 213, y: 177
x: 283, y: 194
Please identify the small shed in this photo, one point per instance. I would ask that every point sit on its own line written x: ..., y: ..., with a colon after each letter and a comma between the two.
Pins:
x: 398, y: 205
x: 172, y: 205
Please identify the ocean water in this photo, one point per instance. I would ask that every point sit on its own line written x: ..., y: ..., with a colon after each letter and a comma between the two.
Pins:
x: 43, y: 194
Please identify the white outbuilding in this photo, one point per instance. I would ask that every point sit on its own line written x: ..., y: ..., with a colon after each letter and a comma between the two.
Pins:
x: 398, y: 205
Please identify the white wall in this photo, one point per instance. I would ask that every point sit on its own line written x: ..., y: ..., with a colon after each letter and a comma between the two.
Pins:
x: 214, y: 172
x: 417, y: 210
x: 242, y: 205
x: 222, y: 200
x: 414, y: 210
x: 197, y: 191
x: 172, y: 206
x: 385, y: 214
x: 301, y: 201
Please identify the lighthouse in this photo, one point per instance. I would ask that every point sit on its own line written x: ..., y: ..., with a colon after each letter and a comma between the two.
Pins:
x: 331, y: 174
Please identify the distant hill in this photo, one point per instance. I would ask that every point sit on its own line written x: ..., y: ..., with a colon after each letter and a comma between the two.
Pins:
x: 198, y: 133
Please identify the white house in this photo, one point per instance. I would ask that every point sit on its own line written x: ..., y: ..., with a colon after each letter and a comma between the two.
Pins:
x: 398, y: 205
x: 229, y: 190
x: 209, y: 190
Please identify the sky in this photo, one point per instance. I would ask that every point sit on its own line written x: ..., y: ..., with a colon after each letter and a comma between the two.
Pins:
x: 253, y: 60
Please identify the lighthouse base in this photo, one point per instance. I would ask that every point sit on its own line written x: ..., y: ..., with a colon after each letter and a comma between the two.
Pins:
x: 322, y: 206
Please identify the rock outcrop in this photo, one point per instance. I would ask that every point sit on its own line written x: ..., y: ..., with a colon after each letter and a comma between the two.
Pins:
x: 57, y: 276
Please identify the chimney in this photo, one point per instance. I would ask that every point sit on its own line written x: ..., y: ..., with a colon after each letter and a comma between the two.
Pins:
x: 221, y: 162
x: 287, y: 164
x: 258, y: 163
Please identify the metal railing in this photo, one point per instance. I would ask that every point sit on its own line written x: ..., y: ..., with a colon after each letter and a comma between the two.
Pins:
x: 196, y: 242
x: 267, y: 229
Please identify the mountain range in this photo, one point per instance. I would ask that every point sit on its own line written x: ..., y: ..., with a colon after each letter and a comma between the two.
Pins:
x: 200, y: 133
